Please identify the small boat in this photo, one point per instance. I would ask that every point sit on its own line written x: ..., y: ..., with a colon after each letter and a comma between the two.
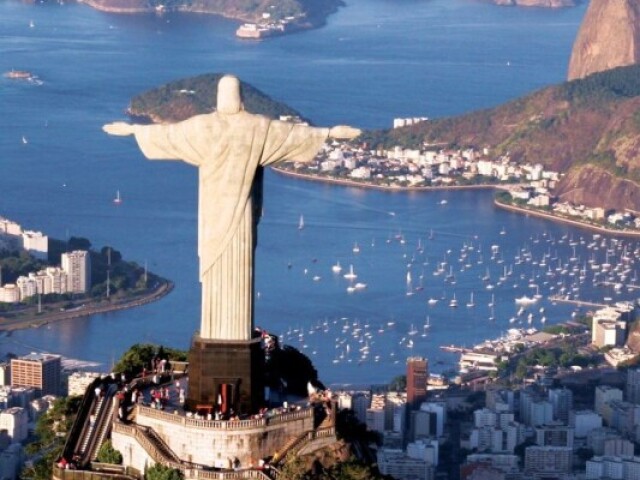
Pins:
x: 524, y: 300
x: 117, y: 200
x: 351, y: 274
x: 301, y: 223
x: 360, y: 286
x: 356, y: 248
x: 453, y: 303
x: 32, y: 24
x: 337, y: 268
x: 432, y: 301
x: 24, y: 140
x: 471, y: 303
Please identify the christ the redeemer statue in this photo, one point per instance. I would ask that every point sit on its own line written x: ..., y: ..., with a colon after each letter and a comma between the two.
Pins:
x: 228, y: 146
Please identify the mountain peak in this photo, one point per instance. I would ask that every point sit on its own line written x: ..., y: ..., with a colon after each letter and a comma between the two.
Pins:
x: 609, y: 37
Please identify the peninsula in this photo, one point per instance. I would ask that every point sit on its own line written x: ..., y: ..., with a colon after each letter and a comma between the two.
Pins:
x: 45, y: 280
x: 279, y: 17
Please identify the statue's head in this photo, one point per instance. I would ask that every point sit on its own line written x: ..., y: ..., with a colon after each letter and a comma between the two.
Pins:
x: 229, y: 101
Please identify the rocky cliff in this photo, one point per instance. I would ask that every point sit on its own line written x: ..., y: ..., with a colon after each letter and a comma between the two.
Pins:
x: 609, y: 37
x: 537, y: 3
x: 588, y: 129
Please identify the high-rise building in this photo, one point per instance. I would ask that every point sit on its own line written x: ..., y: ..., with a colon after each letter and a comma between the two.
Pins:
x: 38, y: 370
x: 15, y: 421
x: 633, y: 385
x: 77, y: 266
x: 417, y: 375
x: 562, y: 402
x: 584, y: 421
x: 548, y: 460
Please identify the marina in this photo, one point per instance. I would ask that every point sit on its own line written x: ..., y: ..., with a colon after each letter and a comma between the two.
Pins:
x: 73, y: 192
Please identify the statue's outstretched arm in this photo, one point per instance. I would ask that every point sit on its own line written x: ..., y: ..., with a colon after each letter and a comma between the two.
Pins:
x: 344, y: 132
x: 120, y: 129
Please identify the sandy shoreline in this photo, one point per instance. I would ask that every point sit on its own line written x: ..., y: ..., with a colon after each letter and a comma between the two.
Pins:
x: 575, y: 223
x: 35, y: 321
x: 512, y: 208
x: 388, y: 188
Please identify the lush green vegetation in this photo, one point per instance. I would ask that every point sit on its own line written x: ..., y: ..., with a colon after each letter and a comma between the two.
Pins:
x: 351, y: 469
x: 566, y: 356
x: 141, y: 356
x: 108, y: 454
x: 184, y: 98
x: 290, y: 366
x: 398, y: 383
x: 622, y: 82
x: 160, y: 472
x: 50, y: 432
x: 124, y: 279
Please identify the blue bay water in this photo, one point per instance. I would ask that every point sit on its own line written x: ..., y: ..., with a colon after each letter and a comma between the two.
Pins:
x: 373, y: 61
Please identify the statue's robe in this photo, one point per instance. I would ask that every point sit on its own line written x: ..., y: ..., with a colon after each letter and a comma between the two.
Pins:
x: 228, y: 150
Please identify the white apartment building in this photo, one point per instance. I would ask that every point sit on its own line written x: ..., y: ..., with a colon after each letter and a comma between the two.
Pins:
x: 77, y: 266
x: 9, y: 227
x: 604, y: 396
x: 613, y: 468
x: 584, y: 421
x: 15, y: 421
x: 562, y: 403
x: 36, y: 243
x: 9, y: 293
x: 396, y: 463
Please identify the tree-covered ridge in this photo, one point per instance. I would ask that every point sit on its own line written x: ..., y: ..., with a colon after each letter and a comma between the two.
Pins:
x: 307, y: 13
x: 181, y: 99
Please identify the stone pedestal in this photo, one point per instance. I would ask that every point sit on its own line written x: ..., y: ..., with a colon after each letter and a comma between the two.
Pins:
x: 226, y: 373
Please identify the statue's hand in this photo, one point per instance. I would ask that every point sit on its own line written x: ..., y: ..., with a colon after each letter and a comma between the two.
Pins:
x: 119, y: 128
x: 344, y: 132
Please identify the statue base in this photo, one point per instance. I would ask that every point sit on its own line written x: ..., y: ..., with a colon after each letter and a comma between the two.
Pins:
x: 226, y: 376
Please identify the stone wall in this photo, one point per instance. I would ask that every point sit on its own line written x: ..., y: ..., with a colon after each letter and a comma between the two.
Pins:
x: 217, y: 443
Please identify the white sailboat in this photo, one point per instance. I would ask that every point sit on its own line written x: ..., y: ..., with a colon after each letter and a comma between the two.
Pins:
x: 337, y: 268
x: 356, y: 248
x: 453, y: 303
x: 117, y: 200
x: 351, y: 274
x: 426, y: 327
x: 471, y: 303
x: 409, y: 284
x: 301, y: 223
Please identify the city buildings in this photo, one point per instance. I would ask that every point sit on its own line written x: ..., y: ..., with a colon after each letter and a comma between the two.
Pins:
x: 38, y: 370
x: 77, y: 266
x: 417, y: 377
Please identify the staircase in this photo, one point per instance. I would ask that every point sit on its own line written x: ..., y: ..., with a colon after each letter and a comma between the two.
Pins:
x: 160, y: 445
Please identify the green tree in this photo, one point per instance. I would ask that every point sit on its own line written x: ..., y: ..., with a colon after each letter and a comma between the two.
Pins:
x: 398, y: 383
x: 108, y: 454
x: 140, y: 356
x: 160, y: 472
x: 79, y: 243
x: 50, y: 432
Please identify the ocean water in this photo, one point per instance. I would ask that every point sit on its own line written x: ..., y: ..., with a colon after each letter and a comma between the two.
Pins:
x: 373, y: 61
